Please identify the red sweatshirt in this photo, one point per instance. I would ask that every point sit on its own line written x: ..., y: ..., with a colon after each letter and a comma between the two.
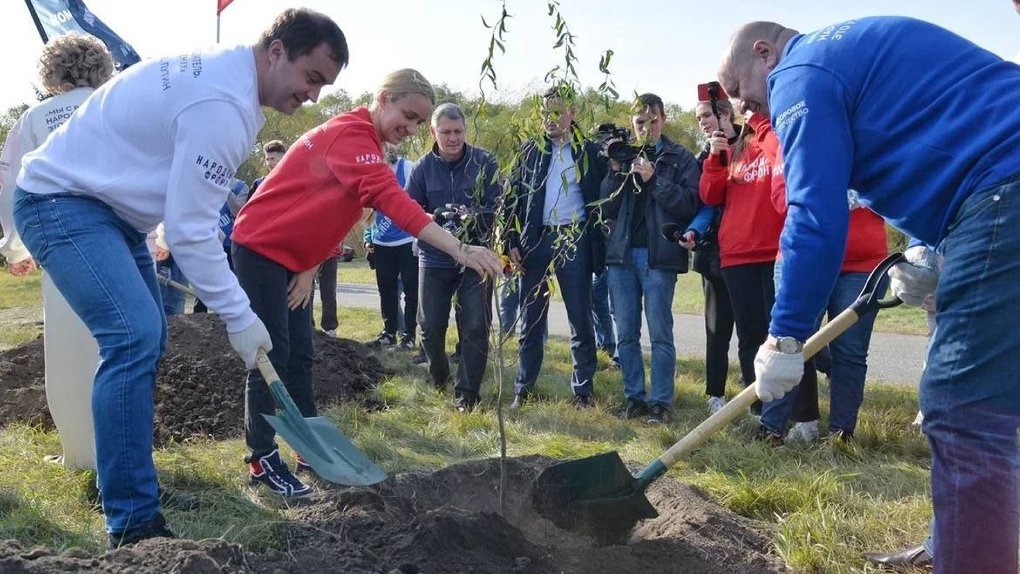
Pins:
x: 866, y: 243
x: 308, y: 204
x: 750, y: 226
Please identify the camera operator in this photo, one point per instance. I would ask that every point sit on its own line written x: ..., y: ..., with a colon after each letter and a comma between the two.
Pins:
x: 458, y: 183
x: 555, y: 190
x: 661, y: 187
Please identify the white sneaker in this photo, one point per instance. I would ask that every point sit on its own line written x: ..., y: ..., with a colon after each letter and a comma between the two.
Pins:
x: 803, y: 432
x: 715, y: 404
x: 918, y: 420
x: 331, y: 333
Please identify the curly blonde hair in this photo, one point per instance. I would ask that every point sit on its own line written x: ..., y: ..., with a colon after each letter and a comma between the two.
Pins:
x: 75, y: 60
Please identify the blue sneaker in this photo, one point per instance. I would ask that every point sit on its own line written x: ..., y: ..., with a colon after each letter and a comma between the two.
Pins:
x: 270, y: 471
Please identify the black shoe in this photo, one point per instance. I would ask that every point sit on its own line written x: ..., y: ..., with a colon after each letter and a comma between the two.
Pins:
x: 766, y: 436
x: 155, y: 528
x: 421, y: 359
x: 519, y: 401
x: 843, y: 436
x: 406, y: 344
x: 272, y: 473
x: 658, y: 414
x: 634, y: 409
x: 384, y: 339
x: 584, y: 402
x: 464, y: 404
x: 913, y: 557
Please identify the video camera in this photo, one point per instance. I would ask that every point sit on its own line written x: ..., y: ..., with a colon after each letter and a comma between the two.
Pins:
x: 617, y: 144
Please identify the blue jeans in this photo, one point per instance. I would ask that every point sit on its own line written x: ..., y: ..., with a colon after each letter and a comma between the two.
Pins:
x: 970, y: 395
x: 265, y: 282
x: 573, y: 273
x: 173, y: 299
x: 628, y: 285
x: 509, y: 303
x: 849, y: 363
x: 602, y: 313
x: 103, y: 268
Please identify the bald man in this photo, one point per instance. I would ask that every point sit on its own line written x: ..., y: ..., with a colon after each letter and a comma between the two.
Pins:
x: 926, y: 126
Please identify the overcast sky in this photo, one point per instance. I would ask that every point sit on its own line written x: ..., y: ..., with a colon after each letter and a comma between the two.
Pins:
x: 662, y: 46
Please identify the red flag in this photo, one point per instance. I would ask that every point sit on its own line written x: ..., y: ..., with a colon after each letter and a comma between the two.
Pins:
x: 221, y: 5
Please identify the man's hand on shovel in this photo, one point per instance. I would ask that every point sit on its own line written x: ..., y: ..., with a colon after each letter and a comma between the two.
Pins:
x: 248, y: 341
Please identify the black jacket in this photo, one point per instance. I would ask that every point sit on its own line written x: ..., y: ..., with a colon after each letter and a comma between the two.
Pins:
x: 674, y: 198
x: 527, y: 195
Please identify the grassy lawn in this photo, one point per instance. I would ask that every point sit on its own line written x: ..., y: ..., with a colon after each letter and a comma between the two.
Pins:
x: 689, y: 299
x: 829, y: 503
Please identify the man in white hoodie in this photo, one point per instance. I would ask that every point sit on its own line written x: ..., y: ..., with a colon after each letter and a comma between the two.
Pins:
x: 160, y: 142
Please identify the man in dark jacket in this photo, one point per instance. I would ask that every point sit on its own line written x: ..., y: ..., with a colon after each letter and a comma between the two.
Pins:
x: 660, y: 187
x: 459, y: 175
x: 553, y: 195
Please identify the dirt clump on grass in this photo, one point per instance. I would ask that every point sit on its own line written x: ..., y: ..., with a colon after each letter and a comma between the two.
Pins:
x: 448, y: 521
x: 200, y: 381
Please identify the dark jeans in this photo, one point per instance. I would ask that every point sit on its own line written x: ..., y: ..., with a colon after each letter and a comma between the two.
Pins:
x: 718, y: 332
x: 969, y: 392
x: 602, y: 314
x: 509, y: 303
x: 395, y: 266
x: 573, y: 273
x: 265, y: 282
x: 437, y: 286
x: 199, y: 306
x: 327, y: 292
x: 752, y: 292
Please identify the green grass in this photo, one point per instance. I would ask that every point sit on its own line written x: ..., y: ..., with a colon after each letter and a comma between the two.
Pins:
x: 829, y: 504
x: 690, y: 299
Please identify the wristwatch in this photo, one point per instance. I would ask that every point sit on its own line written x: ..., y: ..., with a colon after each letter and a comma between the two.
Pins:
x: 789, y: 345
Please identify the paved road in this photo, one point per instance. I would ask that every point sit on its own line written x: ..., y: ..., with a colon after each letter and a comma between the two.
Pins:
x: 893, y: 358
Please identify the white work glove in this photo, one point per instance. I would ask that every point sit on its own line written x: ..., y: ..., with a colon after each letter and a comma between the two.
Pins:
x: 776, y: 373
x: 916, y: 277
x: 248, y: 341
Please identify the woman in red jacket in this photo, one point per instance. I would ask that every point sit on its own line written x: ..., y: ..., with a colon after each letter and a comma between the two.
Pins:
x: 303, y: 209
x: 749, y: 229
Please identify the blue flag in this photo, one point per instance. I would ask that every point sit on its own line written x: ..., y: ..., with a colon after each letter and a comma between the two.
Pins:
x: 55, y: 17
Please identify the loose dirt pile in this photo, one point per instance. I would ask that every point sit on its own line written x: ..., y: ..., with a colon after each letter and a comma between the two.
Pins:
x: 447, y: 521
x: 200, y: 383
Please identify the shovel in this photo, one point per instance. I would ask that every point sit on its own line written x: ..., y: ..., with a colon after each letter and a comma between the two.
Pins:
x: 320, y: 443
x: 599, y: 497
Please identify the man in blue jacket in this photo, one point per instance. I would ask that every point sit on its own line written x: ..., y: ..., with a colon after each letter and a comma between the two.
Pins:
x: 455, y: 173
x: 554, y: 196
x: 926, y: 126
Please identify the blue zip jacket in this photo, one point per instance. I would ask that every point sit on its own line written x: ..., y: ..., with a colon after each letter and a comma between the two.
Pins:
x: 912, y: 116
x: 235, y: 199
x: 384, y: 231
x: 472, y: 180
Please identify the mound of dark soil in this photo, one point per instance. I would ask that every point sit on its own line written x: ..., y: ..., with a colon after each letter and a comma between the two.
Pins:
x: 449, y: 521
x: 200, y: 383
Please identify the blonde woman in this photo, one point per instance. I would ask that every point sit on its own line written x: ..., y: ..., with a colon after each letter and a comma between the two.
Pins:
x: 299, y: 214
x: 72, y: 66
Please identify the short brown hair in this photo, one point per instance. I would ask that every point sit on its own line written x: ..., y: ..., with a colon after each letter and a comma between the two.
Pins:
x: 275, y: 146
x: 651, y: 101
x: 302, y: 30
x: 79, y: 60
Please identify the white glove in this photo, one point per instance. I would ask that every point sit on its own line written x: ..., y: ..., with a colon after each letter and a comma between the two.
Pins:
x: 248, y: 341
x: 776, y: 373
x: 915, y: 278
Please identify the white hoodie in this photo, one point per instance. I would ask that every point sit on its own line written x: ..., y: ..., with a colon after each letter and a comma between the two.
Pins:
x: 160, y: 142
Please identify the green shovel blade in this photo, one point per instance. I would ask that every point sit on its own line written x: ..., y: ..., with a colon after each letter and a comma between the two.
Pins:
x: 331, y: 455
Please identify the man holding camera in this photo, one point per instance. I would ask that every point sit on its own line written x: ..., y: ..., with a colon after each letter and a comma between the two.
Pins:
x: 459, y: 183
x: 554, y: 191
x: 645, y: 188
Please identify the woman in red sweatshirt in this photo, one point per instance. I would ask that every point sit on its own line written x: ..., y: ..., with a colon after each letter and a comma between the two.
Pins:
x: 748, y: 231
x: 300, y: 213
